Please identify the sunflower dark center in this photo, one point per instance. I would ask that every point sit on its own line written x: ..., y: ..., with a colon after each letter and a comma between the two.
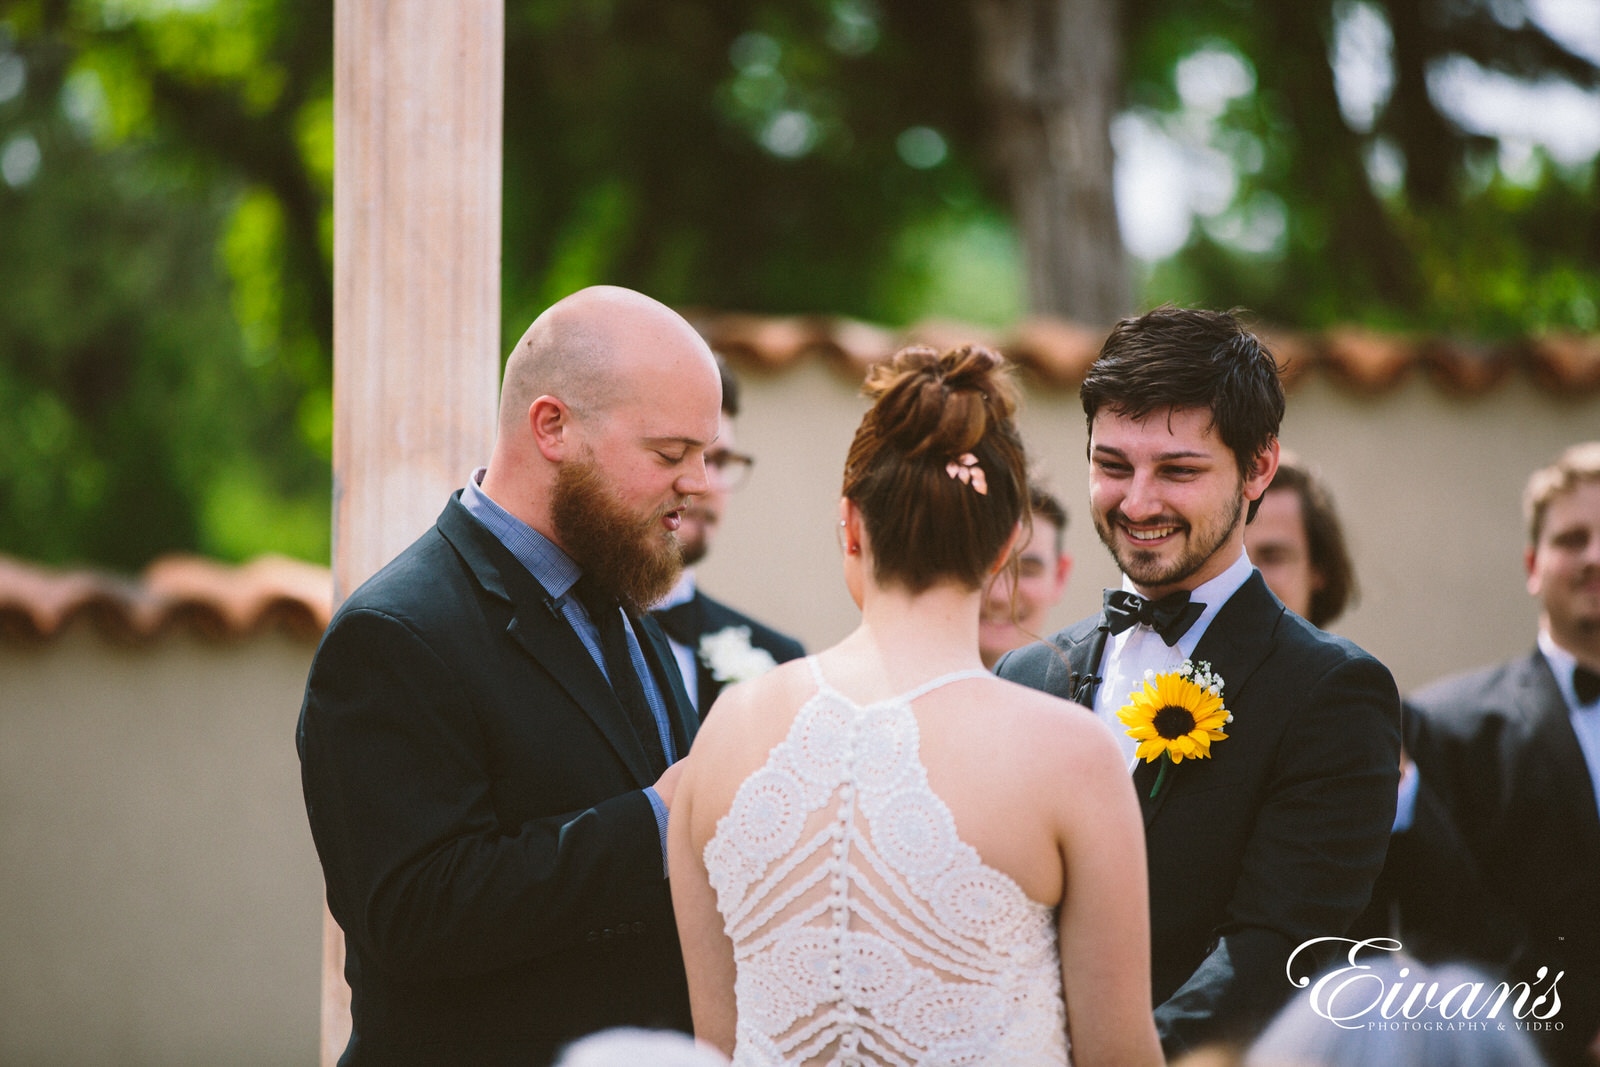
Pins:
x: 1173, y: 722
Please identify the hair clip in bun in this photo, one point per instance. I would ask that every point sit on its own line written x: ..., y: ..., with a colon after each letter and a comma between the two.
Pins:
x: 966, y: 468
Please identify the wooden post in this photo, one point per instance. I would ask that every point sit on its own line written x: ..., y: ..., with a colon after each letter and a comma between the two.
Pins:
x: 418, y: 92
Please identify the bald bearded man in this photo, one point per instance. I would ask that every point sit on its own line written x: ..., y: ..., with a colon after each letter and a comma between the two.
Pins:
x: 490, y: 721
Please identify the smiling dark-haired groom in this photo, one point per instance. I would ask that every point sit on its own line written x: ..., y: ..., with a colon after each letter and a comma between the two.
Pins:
x: 1266, y: 825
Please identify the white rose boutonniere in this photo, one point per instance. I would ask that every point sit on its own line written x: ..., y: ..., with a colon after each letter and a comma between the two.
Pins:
x: 732, y: 658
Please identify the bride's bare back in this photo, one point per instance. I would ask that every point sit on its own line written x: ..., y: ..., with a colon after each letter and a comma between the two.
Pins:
x: 884, y: 873
x: 888, y: 856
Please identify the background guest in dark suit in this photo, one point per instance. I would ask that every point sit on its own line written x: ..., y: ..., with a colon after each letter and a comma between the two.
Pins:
x: 1277, y: 836
x: 1017, y: 604
x: 1297, y: 543
x: 715, y: 644
x: 1430, y: 896
x: 489, y: 721
x: 1514, y: 753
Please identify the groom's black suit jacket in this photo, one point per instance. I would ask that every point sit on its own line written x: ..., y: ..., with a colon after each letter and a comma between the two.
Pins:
x: 474, y: 792
x: 1275, y: 839
x: 1498, y: 748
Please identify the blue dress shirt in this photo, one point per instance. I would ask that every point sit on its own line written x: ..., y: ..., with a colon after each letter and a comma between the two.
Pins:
x: 557, y: 573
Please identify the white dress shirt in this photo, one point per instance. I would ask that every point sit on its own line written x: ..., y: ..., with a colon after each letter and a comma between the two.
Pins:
x: 1139, y: 648
x: 688, y: 658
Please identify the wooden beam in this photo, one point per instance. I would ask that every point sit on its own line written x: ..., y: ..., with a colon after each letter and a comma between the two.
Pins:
x: 418, y: 94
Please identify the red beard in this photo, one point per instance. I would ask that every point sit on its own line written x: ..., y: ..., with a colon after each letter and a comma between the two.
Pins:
x: 635, y: 557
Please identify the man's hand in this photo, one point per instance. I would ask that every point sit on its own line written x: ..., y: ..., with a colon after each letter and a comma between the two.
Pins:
x: 667, y: 784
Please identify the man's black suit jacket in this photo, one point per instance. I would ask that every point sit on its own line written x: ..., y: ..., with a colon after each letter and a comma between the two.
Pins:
x: 710, y: 615
x: 1274, y: 840
x: 474, y: 793
x: 1431, y: 896
x: 1498, y: 748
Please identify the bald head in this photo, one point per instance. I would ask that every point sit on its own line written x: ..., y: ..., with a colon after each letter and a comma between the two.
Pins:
x: 605, y: 377
x: 590, y: 350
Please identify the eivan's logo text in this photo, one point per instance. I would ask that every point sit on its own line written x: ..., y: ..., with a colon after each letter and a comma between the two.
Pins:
x: 1356, y: 997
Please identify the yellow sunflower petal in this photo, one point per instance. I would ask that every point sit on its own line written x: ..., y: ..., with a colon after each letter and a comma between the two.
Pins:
x: 1150, y: 750
x: 1171, y: 689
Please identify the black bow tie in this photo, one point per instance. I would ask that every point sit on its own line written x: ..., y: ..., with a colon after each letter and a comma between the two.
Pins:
x: 1171, y: 616
x: 1586, y: 684
x: 680, y: 622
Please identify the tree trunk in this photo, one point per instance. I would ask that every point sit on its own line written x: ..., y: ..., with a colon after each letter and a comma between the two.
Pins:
x: 1050, y: 68
x: 1364, y: 257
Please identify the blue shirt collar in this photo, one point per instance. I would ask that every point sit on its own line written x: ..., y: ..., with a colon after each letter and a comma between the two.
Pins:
x: 554, y: 569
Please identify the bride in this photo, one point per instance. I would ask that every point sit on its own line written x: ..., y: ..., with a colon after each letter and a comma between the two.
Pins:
x: 885, y: 855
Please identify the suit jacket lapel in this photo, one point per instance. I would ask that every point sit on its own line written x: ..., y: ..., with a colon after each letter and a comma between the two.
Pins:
x: 664, y: 665
x: 1553, y: 738
x: 538, y: 627
x: 1078, y: 679
x: 1236, y: 643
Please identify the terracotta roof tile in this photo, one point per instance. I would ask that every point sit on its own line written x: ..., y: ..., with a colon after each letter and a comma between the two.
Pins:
x: 1566, y: 363
x: 1368, y: 361
x: 778, y: 341
x: 1298, y: 353
x: 1465, y: 367
x: 218, y: 601
x: 1058, y: 352
x: 176, y: 593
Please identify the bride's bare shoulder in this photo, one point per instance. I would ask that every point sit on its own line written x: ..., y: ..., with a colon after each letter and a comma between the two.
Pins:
x: 1059, y: 729
x: 748, y: 713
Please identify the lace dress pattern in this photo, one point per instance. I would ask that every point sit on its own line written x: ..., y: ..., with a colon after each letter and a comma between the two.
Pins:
x: 865, y: 931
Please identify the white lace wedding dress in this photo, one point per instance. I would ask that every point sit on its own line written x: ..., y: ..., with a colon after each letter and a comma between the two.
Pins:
x: 865, y: 931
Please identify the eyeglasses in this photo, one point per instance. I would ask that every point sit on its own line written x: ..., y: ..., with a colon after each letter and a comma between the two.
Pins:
x: 732, y: 467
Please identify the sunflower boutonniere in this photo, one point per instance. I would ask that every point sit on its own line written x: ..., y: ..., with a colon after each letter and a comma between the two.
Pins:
x: 1177, y: 714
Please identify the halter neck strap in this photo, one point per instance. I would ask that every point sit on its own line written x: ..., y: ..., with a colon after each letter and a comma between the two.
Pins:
x: 908, y: 696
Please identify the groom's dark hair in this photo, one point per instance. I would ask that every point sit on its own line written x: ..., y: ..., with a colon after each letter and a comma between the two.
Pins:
x: 1191, y: 358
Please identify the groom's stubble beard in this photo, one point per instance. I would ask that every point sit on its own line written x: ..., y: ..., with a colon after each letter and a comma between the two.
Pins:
x: 633, y: 556
x: 1203, y: 542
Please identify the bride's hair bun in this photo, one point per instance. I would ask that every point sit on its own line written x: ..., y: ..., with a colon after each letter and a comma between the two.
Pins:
x: 937, y: 467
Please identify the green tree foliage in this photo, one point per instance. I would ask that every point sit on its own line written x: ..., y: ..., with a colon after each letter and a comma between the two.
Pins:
x: 164, y: 332
x: 165, y: 209
x: 760, y: 156
x: 1398, y: 215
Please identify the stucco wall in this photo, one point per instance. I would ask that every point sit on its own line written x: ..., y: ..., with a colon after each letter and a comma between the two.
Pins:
x: 1429, y: 486
x: 160, y: 901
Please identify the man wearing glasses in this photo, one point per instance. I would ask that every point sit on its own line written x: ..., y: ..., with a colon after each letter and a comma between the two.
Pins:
x: 715, y: 644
